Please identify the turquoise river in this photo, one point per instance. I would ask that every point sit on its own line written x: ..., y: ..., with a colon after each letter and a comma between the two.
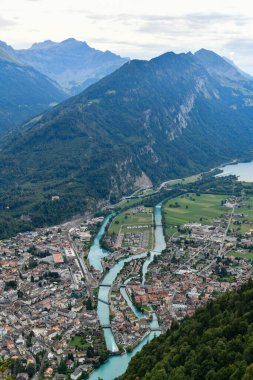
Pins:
x: 116, y: 365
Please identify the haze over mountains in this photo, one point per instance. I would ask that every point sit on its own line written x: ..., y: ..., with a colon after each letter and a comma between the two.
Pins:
x: 148, y: 121
x: 73, y: 64
x: 35, y: 79
x: 24, y: 92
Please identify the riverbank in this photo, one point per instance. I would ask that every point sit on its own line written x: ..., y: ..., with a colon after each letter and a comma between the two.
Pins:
x: 111, y: 369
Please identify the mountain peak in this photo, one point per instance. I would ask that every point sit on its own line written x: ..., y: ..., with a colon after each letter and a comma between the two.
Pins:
x: 211, y: 56
x: 217, y: 65
x: 73, y: 41
x: 43, y: 45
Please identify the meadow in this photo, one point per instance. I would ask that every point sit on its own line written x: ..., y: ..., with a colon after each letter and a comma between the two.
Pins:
x: 192, y: 208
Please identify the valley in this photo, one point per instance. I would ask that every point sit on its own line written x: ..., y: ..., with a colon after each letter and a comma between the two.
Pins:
x: 118, y: 224
x: 200, y: 248
x: 140, y: 124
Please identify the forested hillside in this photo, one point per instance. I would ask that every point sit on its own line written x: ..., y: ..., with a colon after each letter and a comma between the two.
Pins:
x: 215, y: 344
x: 147, y: 122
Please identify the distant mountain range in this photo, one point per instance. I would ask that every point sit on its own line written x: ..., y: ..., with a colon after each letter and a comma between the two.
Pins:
x: 32, y: 80
x: 24, y: 92
x: 148, y: 121
x: 73, y: 64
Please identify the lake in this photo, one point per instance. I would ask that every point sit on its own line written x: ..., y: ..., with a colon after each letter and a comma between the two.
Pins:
x: 243, y: 170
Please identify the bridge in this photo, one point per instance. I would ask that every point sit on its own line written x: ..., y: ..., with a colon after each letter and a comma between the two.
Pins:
x: 99, y: 299
x: 106, y: 326
x: 155, y: 329
x: 106, y: 285
x: 122, y: 286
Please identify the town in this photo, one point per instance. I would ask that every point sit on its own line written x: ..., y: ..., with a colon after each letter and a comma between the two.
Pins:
x: 49, y: 326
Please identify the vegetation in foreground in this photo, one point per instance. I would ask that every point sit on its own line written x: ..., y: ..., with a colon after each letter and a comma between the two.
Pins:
x: 215, y: 344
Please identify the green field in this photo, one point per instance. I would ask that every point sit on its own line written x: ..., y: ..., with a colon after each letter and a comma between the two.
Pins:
x: 128, y: 203
x: 79, y: 341
x: 128, y: 218
x: 248, y: 255
x: 184, y: 181
x: 139, y: 221
x: 205, y: 209
x: 247, y: 210
x: 194, y: 209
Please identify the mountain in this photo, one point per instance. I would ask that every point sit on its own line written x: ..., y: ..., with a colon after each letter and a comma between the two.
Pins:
x: 243, y: 73
x: 222, y: 68
x: 146, y: 122
x: 24, y: 92
x: 214, y: 344
x: 72, y: 64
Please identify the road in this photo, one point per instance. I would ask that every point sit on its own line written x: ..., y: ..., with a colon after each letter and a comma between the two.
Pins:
x: 221, y: 250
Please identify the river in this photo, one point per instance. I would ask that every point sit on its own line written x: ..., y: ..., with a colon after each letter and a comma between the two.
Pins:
x: 117, y: 365
x: 243, y: 170
x: 96, y: 253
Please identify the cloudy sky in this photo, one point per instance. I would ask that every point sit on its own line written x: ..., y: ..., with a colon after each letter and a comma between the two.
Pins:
x: 135, y: 28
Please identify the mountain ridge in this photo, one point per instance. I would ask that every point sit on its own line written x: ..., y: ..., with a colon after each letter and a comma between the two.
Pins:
x: 24, y: 92
x: 71, y: 63
x: 164, y: 118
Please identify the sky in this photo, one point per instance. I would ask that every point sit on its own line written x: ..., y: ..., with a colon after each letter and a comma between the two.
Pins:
x: 135, y: 28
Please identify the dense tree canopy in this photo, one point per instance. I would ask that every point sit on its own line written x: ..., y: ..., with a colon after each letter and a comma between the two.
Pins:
x: 215, y: 344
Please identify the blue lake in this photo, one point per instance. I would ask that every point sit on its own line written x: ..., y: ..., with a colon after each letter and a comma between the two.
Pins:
x: 243, y: 170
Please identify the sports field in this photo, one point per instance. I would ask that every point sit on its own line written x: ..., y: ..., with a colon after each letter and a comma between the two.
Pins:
x: 134, y: 228
x: 131, y: 218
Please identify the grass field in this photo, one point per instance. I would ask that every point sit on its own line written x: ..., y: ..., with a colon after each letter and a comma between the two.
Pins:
x: 139, y: 222
x: 128, y: 202
x: 78, y: 341
x: 131, y: 219
x: 247, y: 210
x: 248, y: 255
x: 185, y: 180
x: 194, y: 209
x: 205, y: 209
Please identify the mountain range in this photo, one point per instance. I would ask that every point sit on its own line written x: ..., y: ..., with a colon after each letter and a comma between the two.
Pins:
x: 73, y: 64
x: 35, y: 79
x: 148, y: 121
x: 24, y: 92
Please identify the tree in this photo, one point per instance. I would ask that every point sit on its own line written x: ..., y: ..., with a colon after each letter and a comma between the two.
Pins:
x: 89, y: 304
x: 31, y: 369
x: 62, y: 368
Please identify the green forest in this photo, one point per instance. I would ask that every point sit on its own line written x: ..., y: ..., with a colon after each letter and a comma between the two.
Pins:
x: 215, y: 344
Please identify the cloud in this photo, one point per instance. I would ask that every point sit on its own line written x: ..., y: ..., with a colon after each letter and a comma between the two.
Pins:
x: 191, y: 22
x: 191, y: 18
x: 4, y: 23
x: 109, y: 41
x: 240, y: 45
x: 239, y: 49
